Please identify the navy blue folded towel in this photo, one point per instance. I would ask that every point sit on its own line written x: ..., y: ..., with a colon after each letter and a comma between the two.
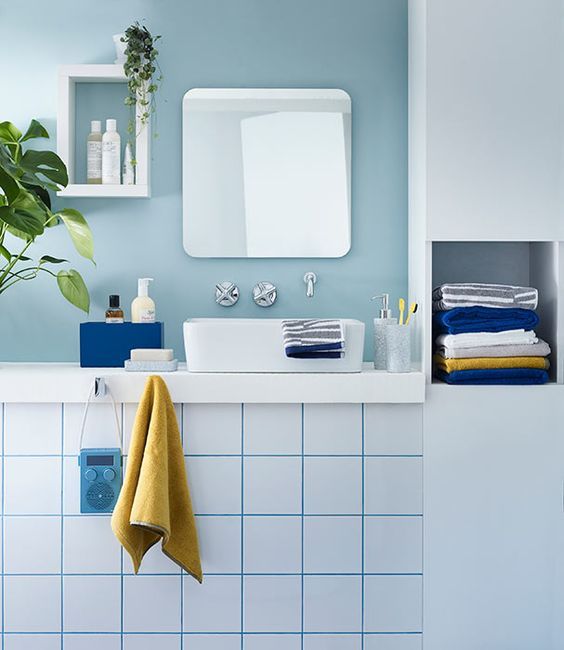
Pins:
x: 313, y: 339
x: 494, y: 376
x: 484, y: 319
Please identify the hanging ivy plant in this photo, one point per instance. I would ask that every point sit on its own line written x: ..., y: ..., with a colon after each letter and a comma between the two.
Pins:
x: 143, y: 74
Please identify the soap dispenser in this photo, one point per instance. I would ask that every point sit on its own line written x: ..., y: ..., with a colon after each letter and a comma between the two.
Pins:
x: 143, y: 307
x: 385, y: 318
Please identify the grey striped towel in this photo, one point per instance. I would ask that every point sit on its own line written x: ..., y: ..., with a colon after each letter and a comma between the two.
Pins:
x: 475, y: 294
x: 313, y: 339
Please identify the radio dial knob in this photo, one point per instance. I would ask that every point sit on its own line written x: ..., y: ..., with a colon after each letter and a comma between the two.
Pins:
x: 109, y: 474
x: 90, y: 474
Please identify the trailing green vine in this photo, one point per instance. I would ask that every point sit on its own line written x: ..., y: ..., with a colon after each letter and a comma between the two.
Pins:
x: 143, y: 74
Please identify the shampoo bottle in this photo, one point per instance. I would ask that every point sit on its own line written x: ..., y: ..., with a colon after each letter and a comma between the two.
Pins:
x: 380, y: 324
x: 94, y: 153
x: 111, y: 154
x: 143, y: 307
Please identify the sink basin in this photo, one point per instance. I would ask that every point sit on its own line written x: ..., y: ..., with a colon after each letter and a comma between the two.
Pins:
x: 256, y: 345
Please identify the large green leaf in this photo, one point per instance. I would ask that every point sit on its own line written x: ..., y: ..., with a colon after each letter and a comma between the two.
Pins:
x: 8, y: 185
x: 9, y: 134
x: 19, y: 233
x: 7, y: 162
x: 24, y: 215
x: 73, y: 289
x: 35, y: 130
x: 80, y: 232
x: 44, y: 163
x: 41, y: 193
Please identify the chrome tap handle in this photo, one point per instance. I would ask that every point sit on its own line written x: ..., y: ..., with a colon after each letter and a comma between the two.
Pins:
x: 226, y: 294
x: 310, y: 279
x: 264, y: 294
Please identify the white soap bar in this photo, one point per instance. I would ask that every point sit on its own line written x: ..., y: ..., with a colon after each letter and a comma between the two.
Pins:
x: 152, y: 354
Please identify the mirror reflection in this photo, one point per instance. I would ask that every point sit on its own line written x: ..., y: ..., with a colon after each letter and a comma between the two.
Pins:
x: 266, y: 173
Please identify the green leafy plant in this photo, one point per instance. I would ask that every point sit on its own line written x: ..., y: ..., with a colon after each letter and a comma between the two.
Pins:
x: 26, y: 178
x: 143, y: 73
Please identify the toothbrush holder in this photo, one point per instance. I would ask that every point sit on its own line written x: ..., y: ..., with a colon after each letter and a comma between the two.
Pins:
x: 398, y: 344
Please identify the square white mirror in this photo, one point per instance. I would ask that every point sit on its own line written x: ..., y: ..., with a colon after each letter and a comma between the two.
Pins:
x: 266, y: 172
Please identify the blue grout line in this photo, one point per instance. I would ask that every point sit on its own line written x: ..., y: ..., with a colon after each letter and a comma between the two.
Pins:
x: 182, y: 570
x: 51, y: 515
x: 362, y: 533
x: 121, y: 579
x: 236, y: 456
x: 214, y: 634
x: 62, y: 584
x: 302, y: 532
x: 242, y: 525
x: 101, y: 574
x: 2, y: 426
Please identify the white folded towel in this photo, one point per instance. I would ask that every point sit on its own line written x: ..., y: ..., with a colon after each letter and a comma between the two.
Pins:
x: 479, y: 339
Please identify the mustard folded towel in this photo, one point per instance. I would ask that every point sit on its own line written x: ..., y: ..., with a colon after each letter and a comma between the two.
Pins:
x: 155, y: 503
x: 482, y: 363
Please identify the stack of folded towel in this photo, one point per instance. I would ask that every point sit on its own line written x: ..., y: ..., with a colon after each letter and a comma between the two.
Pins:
x: 485, y: 335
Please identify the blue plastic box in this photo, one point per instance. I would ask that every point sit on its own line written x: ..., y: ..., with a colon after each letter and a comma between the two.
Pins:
x: 108, y: 345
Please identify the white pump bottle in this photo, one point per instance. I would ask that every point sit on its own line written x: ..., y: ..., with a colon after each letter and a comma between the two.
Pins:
x: 143, y: 307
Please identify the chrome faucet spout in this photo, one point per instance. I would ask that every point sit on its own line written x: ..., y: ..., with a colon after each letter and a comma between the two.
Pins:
x: 310, y: 279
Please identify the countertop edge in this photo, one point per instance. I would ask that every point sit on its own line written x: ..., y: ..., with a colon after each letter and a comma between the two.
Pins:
x: 68, y: 383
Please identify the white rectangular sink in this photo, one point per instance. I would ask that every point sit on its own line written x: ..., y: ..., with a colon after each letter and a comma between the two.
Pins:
x: 256, y: 345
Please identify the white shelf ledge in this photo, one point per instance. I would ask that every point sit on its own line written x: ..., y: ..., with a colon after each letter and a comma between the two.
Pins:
x: 65, y: 382
x: 108, y: 191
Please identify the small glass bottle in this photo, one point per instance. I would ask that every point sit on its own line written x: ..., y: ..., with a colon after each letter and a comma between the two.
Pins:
x: 114, y: 313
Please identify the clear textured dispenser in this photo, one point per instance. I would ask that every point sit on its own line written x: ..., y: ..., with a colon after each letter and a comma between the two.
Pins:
x: 380, y: 325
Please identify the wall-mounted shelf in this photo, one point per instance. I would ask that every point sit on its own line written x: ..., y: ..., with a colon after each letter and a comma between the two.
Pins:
x: 106, y: 191
x: 69, y: 77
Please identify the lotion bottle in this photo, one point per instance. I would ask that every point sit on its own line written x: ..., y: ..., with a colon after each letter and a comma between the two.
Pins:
x: 380, y: 342
x: 143, y: 307
x: 94, y: 154
x: 111, y: 154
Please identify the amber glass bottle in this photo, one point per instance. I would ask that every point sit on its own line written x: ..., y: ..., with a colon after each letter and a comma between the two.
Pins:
x: 114, y: 313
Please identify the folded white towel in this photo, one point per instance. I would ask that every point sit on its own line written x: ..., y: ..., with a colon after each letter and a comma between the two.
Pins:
x: 479, y: 339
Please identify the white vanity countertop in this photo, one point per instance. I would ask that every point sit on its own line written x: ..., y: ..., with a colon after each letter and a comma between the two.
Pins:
x: 67, y: 382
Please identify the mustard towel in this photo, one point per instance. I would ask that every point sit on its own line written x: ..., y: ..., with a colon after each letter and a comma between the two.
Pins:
x: 155, y: 503
x: 481, y: 363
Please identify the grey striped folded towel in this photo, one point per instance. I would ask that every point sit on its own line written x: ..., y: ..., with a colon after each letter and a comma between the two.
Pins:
x: 475, y: 294
x: 313, y: 339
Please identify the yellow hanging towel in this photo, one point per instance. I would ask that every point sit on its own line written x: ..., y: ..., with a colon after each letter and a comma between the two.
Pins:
x: 155, y: 503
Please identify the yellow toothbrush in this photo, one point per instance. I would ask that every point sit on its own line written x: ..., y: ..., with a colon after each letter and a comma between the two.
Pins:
x: 412, y: 310
x: 401, y: 310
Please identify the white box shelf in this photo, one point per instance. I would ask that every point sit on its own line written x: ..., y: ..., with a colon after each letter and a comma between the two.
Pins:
x: 69, y: 76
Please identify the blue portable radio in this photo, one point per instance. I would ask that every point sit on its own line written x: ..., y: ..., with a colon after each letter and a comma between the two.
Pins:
x: 100, y: 468
x: 100, y: 479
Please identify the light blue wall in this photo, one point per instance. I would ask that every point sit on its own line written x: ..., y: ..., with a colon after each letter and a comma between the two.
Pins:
x: 357, y: 45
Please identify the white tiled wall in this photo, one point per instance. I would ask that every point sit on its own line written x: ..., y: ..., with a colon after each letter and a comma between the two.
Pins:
x: 309, y: 518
